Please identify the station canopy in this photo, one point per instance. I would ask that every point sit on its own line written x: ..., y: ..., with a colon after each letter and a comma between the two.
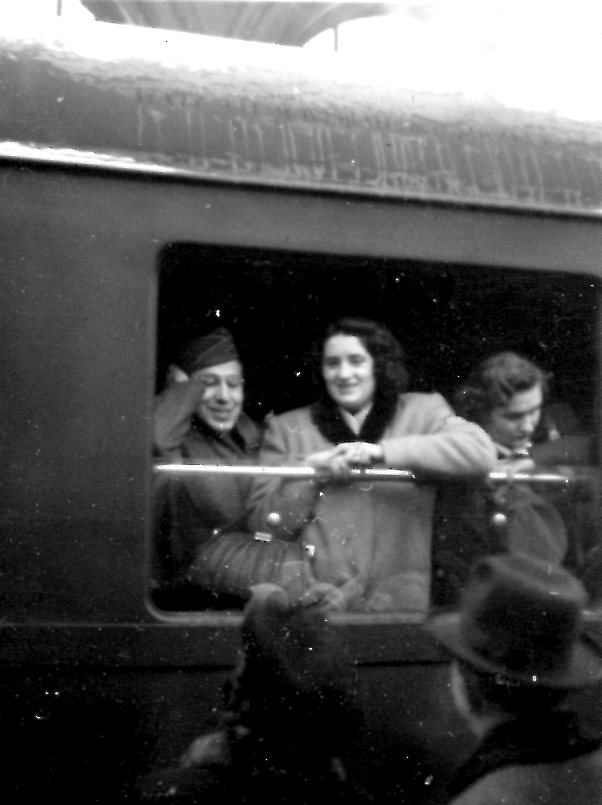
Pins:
x: 278, y: 22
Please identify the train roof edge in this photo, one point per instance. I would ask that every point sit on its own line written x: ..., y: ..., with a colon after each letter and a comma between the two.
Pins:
x: 129, y: 98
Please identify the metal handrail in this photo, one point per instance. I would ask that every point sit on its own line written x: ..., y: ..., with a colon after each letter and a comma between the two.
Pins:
x: 365, y: 474
x: 280, y: 472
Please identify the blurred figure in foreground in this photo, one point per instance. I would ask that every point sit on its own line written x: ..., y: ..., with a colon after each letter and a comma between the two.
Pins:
x: 518, y: 649
x: 290, y: 718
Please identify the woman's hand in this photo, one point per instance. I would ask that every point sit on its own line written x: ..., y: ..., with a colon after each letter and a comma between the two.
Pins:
x: 360, y: 454
x: 340, y: 460
x: 514, y: 465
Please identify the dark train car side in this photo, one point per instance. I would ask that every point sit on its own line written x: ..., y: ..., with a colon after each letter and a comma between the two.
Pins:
x: 142, y: 193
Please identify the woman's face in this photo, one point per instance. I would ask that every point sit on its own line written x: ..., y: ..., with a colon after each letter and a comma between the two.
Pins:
x: 513, y: 425
x: 348, y: 372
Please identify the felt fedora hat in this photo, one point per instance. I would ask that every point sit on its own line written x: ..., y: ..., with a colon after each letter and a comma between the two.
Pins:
x: 522, y: 618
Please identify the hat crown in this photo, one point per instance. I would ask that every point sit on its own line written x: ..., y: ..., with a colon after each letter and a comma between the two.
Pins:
x: 208, y: 350
x: 523, y: 616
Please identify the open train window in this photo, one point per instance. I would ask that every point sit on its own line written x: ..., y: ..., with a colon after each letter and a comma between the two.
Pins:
x: 448, y: 318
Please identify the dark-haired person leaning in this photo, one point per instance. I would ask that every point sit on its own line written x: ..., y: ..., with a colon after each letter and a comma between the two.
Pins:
x: 508, y: 396
x: 371, y: 543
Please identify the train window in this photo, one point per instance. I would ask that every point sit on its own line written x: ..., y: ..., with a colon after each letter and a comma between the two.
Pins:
x: 227, y: 516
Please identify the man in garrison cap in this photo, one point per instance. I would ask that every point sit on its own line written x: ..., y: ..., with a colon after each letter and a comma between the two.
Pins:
x: 519, y: 647
x: 203, y: 554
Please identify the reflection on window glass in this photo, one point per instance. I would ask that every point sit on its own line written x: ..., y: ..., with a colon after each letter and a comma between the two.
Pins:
x: 360, y: 431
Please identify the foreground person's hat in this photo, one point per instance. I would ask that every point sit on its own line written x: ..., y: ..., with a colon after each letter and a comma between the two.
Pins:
x: 522, y: 618
x: 209, y: 350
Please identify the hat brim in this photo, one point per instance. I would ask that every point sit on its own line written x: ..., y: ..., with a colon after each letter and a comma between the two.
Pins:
x: 584, y: 669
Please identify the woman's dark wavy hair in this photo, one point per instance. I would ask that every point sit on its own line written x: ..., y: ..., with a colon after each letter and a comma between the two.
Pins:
x: 493, y: 383
x: 390, y: 372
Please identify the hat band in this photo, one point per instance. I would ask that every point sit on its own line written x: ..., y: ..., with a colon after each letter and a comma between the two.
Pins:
x: 542, y: 655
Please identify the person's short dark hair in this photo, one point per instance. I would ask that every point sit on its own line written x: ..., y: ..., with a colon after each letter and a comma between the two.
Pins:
x: 493, y: 383
x: 390, y: 371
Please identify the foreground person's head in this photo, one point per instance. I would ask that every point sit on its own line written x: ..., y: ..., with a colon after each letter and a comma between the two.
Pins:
x: 517, y: 641
x: 294, y: 686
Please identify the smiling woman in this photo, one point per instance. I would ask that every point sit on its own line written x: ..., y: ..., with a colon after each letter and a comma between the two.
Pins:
x: 370, y: 544
x: 348, y: 372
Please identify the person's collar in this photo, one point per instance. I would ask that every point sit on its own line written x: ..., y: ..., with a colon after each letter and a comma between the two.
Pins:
x: 483, y: 725
x: 355, y: 421
x: 503, y: 451
x: 233, y: 435
x: 553, y: 736
x: 328, y: 419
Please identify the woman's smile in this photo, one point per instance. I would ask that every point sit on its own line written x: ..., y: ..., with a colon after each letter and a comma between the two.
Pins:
x: 348, y: 372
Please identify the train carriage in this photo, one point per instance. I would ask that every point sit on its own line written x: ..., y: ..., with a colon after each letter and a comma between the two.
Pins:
x: 155, y: 182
